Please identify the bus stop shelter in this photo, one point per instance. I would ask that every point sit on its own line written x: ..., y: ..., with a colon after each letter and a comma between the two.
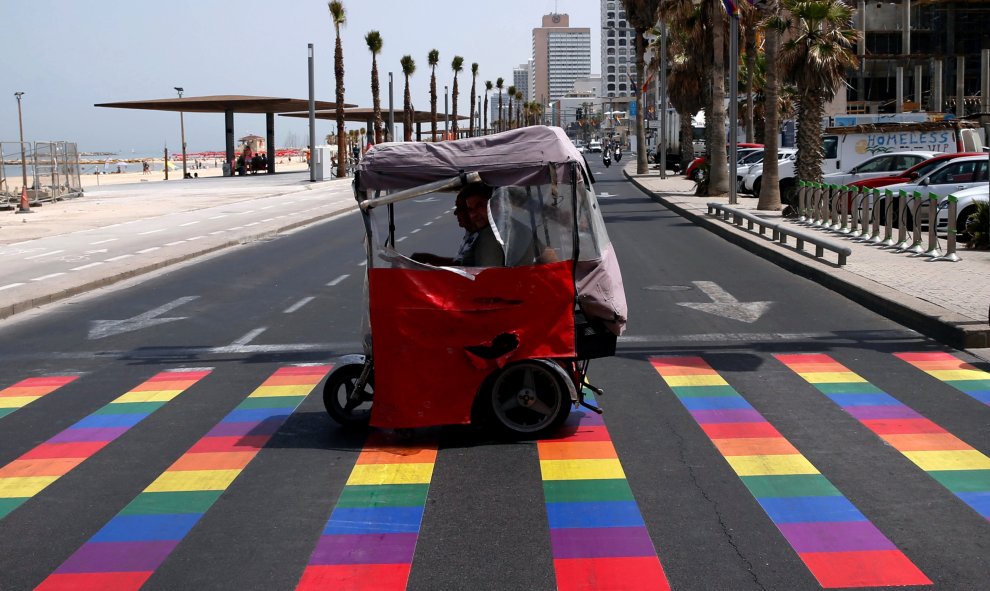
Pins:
x: 228, y: 105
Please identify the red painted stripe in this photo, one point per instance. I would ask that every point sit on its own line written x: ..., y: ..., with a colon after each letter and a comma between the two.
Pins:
x: 626, y: 573
x: 876, y: 568
x: 94, y: 581
x: 81, y: 449
x: 354, y: 577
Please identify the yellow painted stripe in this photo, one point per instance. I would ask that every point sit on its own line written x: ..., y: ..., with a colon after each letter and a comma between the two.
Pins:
x: 949, y: 460
x: 191, y: 480
x: 149, y: 396
x: 581, y: 469
x: 16, y: 401
x: 696, y: 380
x: 297, y: 390
x: 831, y: 377
x: 391, y: 474
x: 24, y: 486
x: 771, y: 465
x: 949, y: 375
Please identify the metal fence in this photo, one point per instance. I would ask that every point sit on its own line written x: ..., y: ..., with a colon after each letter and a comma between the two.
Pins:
x: 52, y: 172
x: 874, y: 215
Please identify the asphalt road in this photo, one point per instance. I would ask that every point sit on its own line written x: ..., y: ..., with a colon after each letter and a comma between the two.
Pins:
x: 293, y: 301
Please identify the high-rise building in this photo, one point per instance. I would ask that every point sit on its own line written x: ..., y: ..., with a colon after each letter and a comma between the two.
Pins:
x: 561, y: 54
x: 618, y: 51
x: 520, y: 78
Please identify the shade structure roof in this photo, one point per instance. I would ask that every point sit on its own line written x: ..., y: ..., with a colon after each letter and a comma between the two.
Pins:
x: 235, y: 103
x: 361, y: 114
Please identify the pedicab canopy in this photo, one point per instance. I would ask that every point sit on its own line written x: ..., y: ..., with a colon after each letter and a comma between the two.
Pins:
x: 441, y: 332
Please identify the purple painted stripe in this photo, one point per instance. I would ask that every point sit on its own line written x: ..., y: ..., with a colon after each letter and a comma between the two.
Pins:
x: 835, y: 536
x: 89, y: 434
x: 601, y: 542
x: 365, y: 549
x: 266, y: 427
x: 747, y: 415
x: 881, y: 412
x: 104, y: 557
x: 588, y: 419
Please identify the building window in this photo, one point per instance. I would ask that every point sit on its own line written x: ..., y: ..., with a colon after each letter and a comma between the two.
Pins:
x: 611, y: 88
x: 611, y: 33
x: 622, y: 42
x: 611, y: 60
x: 611, y: 78
x: 622, y: 88
x: 611, y: 42
x: 611, y: 69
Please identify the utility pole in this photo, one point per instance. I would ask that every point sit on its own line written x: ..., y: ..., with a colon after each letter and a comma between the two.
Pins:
x: 446, y: 114
x: 312, y: 117
x: 391, y: 111
x: 182, y: 125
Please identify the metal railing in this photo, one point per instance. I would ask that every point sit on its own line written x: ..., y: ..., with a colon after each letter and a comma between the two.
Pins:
x: 780, y: 231
x: 871, y: 215
x: 52, y: 171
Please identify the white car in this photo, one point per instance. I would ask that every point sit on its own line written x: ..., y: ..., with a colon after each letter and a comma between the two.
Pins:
x: 879, y: 165
x: 752, y: 180
x: 966, y: 201
x: 951, y: 178
x: 595, y: 146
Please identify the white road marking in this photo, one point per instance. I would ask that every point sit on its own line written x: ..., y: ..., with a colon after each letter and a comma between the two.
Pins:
x: 105, y: 328
x: 217, y: 217
x: 89, y: 266
x: 97, y: 251
x: 244, y: 340
x: 43, y: 277
x: 195, y: 238
x: 10, y: 286
x: 44, y: 254
x: 251, y: 224
x: 414, y: 231
x: 362, y: 263
x: 338, y: 280
x: 102, y: 241
x: 174, y: 243
x: 147, y: 250
x: 427, y: 224
x: 217, y: 232
x: 725, y: 305
x: 121, y: 257
x: 189, y: 224
x: 268, y: 220
x: 401, y: 239
x: 298, y: 305
x: 151, y: 232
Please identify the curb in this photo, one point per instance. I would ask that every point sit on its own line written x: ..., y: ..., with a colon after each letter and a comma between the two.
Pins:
x: 928, y: 319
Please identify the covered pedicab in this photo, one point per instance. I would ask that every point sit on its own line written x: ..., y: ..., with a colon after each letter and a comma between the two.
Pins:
x: 507, y: 345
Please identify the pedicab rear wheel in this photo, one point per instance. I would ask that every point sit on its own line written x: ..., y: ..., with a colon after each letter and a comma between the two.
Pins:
x: 343, y: 404
x: 528, y: 399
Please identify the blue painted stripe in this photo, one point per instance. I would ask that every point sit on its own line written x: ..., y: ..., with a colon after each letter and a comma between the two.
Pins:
x: 594, y: 514
x: 715, y: 403
x: 977, y: 500
x: 135, y: 528
x: 981, y: 395
x: 374, y: 520
x: 810, y: 509
x: 97, y: 421
x: 254, y: 415
x: 871, y: 399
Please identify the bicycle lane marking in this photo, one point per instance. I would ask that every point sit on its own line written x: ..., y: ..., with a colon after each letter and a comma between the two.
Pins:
x: 598, y: 537
x: 955, y: 464
x: 946, y: 368
x: 133, y: 544
x: 26, y: 391
x: 31, y: 473
x: 370, y: 538
x: 838, y: 544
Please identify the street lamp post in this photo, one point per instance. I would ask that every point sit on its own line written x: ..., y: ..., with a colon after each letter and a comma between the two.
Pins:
x: 25, y: 206
x: 182, y: 125
x: 446, y: 115
x: 391, y: 111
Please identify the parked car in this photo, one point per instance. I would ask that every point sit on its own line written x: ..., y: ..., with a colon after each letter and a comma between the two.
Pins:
x: 951, y: 178
x: 966, y: 201
x: 751, y: 181
x: 694, y: 170
x: 906, y: 176
x: 879, y: 165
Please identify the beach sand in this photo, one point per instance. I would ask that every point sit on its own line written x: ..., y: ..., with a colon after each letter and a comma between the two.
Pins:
x: 98, y: 180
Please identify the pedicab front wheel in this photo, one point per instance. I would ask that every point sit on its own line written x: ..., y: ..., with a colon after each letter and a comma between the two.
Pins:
x: 528, y: 399
x: 348, y: 407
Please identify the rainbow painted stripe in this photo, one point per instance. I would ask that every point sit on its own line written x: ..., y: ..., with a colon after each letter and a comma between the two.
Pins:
x: 132, y: 545
x: 837, y: 543
x: 597, y: 534
x: 962, y: 376
x: 370, y: 538
x: 955, y: 464
x: 31, y: 473
x: 27, y: 391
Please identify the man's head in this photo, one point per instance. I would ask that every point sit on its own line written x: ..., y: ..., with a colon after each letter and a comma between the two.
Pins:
x: 471, y: 206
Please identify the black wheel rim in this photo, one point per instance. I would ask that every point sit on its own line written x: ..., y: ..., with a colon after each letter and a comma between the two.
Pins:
x: 527, y: 397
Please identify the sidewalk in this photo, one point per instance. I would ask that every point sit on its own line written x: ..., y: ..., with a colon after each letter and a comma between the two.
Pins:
x: 946, y: 301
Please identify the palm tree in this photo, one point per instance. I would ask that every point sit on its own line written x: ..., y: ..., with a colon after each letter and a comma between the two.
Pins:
x: 374, y: 41
x: 642, y: 15
x: 519, y: 103
x: 816, y: 58
x: 456, y: 64
x: 508, y: 117
x: 688, y: 69
x: 433, y: 58
x: 474, y: 78
x: 769, y: 194
x: 718, y: 161
x: 338, y: 17
x: 488, y: 88
x: 408, y: 67
x: 498, y: 84
x: 749, y: 18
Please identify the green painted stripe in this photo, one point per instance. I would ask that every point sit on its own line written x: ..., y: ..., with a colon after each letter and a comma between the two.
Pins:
x: 577, y: 491
x: 129, y: 408
x: 383, y: 495
x: 703, y: 391
x: 794, y: 485
x: 6, y: 411
x: 9, y: 504
x: 960, y: 481
x: 849, y: 388
x: 270, y: 402
x: 172, y: 503
x: 969, y: 385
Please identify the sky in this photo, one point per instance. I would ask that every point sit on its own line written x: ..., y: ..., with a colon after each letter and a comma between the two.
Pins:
x: 67, y: 55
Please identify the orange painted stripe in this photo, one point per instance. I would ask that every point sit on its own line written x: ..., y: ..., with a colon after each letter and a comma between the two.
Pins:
x: 397, y: 455
x: 767, y: 446
x: 228, y: 460
x: 17, y: 391
x: 925, y: 442
x: 947, y: 364
x: 804, y: 358
x: 157, y: 385
x: 662, y: 364
x: 576, y: 450
x: 817, y: 367
x: 40, y: 467
x: 687, y: 371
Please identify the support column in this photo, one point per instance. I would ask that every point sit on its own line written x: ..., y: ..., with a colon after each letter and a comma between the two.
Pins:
x: 937, y: 102
x: 960, y: 85
x: 228, y: 119
x: 918, y: 98
x: 270, y: 140
x: 899, y: 84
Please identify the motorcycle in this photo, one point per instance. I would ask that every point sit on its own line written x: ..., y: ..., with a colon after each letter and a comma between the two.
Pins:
x: 606, y: 159
x: 618, y: 154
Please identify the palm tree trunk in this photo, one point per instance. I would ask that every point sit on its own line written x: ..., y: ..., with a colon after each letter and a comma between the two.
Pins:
x: 376, y: 99
x: 750, y: 66
x: 453, y: 110
x: 433, y: 104
x: 484, y: 126
x: 719, y: 163
x: 338, y: 68
x: 508, y: 117
x: 499, y: 111
x: 810, y: 151
x: 686, y: 140
x: 642, y: 164
x: 407, y: 114
x: 471, y: 113
x: 769, y: 197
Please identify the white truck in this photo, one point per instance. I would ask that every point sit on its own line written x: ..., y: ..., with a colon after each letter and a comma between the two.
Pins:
x: 673, y: 143
x: 846, y: 147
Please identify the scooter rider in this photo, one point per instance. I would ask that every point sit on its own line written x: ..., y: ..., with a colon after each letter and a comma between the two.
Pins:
x: 606, y: 158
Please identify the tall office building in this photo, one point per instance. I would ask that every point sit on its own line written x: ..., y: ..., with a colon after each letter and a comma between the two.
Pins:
x: 520, y: 78
x: 618, y: 51
x: 561, y: 55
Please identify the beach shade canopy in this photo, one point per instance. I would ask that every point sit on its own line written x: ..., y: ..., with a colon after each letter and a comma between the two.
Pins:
x: 366, y: 114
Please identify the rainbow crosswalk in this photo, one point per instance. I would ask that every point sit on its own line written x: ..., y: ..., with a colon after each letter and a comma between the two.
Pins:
x: 369, y: 541
x: 28, y: 390
x: 962, y: 376
x: 597, y: 535
x: 946, y: 458
x: 132, y: 545
x: 837, y: 543
x: 34, y: 471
